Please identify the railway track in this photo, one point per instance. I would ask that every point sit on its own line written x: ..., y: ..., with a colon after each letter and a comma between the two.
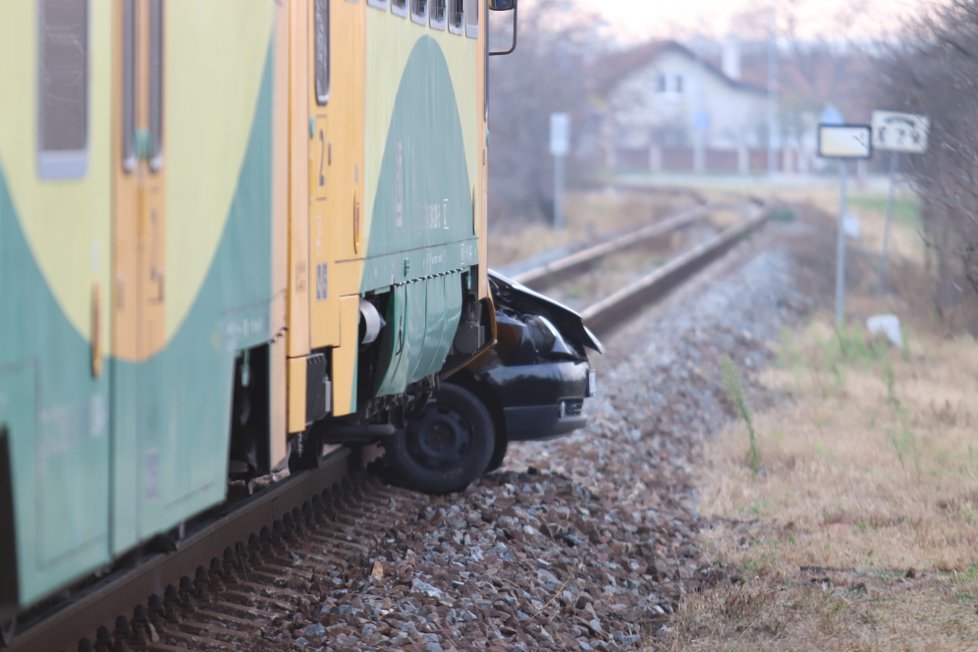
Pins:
x: 604, y: 315
x: 247, y: 570
x: 252, y: 566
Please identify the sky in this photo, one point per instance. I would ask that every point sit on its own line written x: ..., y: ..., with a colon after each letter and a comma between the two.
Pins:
x: 642, y: 19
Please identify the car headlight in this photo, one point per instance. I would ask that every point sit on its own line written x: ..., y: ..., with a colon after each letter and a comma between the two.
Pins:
x: 547, y: 338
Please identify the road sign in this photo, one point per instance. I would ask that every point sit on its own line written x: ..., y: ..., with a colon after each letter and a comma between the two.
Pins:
x: 851, y: 225
x: 845, y: 141
x: 831, y: 116
x: 900, y: 132
x: 559, y: 134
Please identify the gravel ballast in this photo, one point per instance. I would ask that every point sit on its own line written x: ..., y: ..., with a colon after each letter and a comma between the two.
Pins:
x: 589, y: 541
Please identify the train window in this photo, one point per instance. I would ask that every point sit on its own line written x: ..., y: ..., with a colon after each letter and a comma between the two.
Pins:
x: 129, y: 86
x: 380, y: 4
x: 419, y: 11
x: 399, y: 7
x: 155, y: 84
x: 438, y: 14
x: 456, y: 18
x: 471, y: 18
x: 322, y: 51
x: 63, y: 88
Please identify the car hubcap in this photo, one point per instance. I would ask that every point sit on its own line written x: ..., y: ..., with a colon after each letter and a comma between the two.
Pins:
x: 440, y: 439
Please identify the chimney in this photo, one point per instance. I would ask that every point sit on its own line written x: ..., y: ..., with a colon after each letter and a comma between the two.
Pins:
x: 731, y: 58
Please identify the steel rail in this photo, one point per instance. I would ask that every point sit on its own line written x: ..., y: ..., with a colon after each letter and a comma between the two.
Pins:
x: 548, y: 274
x: 607, y: 314
x: 119, y: 593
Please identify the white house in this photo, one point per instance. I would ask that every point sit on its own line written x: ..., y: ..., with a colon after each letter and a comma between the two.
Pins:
x: 665, y: 106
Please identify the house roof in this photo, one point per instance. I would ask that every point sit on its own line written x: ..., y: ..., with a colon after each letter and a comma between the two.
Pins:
x: 614, y: 68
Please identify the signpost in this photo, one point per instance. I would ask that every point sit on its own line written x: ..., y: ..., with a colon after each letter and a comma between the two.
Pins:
x: 559, y: 149
x: 897, y: 132
x: 844, y: 143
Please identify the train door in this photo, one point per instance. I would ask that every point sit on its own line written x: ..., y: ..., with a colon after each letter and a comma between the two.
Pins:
x: 337, y: 231
x: 139, y: 296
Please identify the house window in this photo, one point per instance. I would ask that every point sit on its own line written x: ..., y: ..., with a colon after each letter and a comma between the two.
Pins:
x: 63, y: 88
x: 438, y: 14
x: 322, y: 51
x: 456, y: 16
x: 679, y: 83
x: 471, y: 18
x: 419, y: 11
x: 399, y: 7
x: 662, y: 84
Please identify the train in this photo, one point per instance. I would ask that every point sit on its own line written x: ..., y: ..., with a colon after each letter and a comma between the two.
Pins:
x: 232, y: 233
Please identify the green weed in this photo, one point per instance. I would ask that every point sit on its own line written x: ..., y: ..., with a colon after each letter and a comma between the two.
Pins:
x: 735, y: 390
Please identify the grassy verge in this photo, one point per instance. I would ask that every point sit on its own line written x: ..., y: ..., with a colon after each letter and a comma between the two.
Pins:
x: 861, y: 530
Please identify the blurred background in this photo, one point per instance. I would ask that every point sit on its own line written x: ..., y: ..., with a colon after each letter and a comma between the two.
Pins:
x: 730, y: 94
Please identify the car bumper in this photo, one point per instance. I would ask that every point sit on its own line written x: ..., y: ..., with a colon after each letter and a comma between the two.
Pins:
x: 542, y: 400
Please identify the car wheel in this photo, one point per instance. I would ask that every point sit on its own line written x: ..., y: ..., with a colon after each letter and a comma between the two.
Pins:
x: 447, y: 447
x: 8, y: 629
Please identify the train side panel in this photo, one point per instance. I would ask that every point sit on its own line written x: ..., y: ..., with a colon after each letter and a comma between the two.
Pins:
x: 337, y: 235
x: 55, y: 251
x: 423, y: 212
x: 387, y: 134
x: 136, y: 269
x: 204, y: 254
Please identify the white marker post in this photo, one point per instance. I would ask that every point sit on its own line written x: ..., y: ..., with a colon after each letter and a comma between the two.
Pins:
x: 896, y: 132
x: 559, y: 149
x: 843, y: 143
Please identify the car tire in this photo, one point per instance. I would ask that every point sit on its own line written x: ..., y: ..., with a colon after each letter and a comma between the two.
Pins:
x: 447, y: 447
x: 498, y: 454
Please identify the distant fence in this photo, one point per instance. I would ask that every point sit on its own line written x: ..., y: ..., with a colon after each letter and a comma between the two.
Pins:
x: 745, y: 160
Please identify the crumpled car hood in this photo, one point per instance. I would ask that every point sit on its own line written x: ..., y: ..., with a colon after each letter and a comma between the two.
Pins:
x: 521, y: 299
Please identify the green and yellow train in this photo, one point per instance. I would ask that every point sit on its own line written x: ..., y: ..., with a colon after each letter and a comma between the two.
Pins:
x: 231, y: 231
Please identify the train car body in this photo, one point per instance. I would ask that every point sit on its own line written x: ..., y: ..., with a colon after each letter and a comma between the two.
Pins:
x: 223, y: 226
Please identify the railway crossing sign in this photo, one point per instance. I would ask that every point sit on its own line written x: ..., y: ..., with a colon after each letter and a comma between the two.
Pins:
x: 845, y: 141
x: 900, y: 132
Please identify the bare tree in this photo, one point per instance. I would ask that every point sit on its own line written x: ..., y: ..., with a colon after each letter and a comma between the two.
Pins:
x: 548, y: 73
x: 934, y: 71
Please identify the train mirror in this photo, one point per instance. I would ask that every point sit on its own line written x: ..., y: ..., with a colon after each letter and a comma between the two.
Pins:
x: 506, y: 5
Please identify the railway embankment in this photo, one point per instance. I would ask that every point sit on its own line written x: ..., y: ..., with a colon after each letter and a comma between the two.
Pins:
x: 856, y: 528
x: 591, y: 541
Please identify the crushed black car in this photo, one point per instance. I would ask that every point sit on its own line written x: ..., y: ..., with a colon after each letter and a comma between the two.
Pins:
x: 530, y: 386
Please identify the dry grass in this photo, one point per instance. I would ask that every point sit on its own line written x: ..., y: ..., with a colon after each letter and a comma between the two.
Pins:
x: 590, y: 216
x: 870, y: 469
x: 861, y: 530
x: 905, y: 239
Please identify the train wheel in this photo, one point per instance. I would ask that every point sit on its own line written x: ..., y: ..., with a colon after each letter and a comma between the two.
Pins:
x: 447, y: 447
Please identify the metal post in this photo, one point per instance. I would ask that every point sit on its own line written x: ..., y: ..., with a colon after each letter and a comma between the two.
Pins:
x: 894, y: 170
x: 840, y: 257
x: 558, y: 192
x: 772, y: 93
